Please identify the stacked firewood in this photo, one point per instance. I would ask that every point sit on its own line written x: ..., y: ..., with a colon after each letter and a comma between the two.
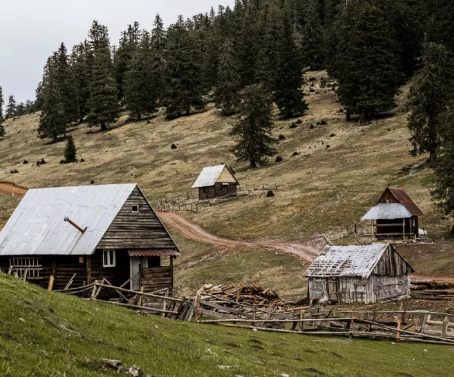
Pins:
x: 432, y: 290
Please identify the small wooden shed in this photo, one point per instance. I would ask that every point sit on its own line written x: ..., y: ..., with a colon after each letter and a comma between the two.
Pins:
x: 359, y: 274
x: 394, y: 215
x: 89, y: 233
x: 216, y: 182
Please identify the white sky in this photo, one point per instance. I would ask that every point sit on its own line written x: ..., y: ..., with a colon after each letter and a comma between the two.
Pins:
x: 30, y: 30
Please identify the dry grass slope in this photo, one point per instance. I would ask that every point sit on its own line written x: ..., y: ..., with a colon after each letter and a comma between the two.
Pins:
x: 325, y: 189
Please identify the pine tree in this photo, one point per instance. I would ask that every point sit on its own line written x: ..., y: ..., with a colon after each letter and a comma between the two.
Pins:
x: 124, y: 55
x: 253, y: 130
x: 70, y: 150
x: 67, y: 86
x: 81, y: 75
x: 2, y: 129
x: 430, y: 96
x: 52, y: 119
x: 227, y: 95
x: 364, y: 58
x: 20, y: 109
x: 184, y: 83
x: 158, y: 51
x: 140, y: 95
x: 311, y: 43
x: 288, y: 93
x: 11, y: 107
x: 441, y: 22
x: 103, y: 104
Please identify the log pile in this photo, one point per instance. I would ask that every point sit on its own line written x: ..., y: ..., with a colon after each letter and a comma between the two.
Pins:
x: 432, y: 290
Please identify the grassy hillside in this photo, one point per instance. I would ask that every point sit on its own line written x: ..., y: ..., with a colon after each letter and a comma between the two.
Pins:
x: 321, y: 191
x: 47, y: 334
x: 324, y: 188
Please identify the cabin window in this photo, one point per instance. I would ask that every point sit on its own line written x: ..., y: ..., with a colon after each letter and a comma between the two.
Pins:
x: 26, y: 268
x: 109, y: 258
x: 205, y: 190
x: 135, y: 209
x: 414, y: 223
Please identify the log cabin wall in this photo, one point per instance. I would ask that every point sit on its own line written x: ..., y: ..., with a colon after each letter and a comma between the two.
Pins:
x: 224, y: 190
x: 133, y: 230
x: 206, y: 193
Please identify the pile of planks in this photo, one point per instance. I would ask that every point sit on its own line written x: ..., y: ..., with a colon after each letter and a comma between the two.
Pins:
x: 432, y: 290
x: 246, y: 302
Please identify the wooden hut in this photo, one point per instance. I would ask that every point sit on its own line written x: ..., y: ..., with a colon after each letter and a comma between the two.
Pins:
x: 359, y: 274
x: 394, y: 215
x: 88, y: 233
x: 216, y: 182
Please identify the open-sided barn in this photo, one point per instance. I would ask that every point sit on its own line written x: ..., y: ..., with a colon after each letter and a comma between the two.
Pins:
x: 394, y: 215
x: 216, y: 182
x: 89, y: 233
x: 359, y: 274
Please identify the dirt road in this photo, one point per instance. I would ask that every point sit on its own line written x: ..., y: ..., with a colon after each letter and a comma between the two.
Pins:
x: 185, y: 228
x: 11, y: 188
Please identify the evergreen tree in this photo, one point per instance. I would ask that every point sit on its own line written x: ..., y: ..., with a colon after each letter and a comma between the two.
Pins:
x: 20, y: 109
x: 124, y: 55
x: 288, y: 93
x: 2, y: 129
x: 140, y: 95
x: 103, y: 104
x: 364, y: 58
x: 39, y: 97
x: 67, y: 86
x: 81, y: 75
x: 229, y: 80
x: 158, y: 51
x: 11, y: 107
x: 441, y: 22
x: 253, y: 130
x: 311, y: 43
x: 70, y: 150
x: 52, y: 119
x: 184, y: 83
x: 430, y: 96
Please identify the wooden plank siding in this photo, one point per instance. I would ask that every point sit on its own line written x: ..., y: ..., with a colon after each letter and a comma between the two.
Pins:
x: 134, y: 231
x: 219, y: 190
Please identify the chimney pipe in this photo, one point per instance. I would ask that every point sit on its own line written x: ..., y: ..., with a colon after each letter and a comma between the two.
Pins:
x: 75, y: 225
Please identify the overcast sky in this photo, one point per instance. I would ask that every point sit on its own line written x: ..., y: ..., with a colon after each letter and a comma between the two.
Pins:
x: 30, y: 30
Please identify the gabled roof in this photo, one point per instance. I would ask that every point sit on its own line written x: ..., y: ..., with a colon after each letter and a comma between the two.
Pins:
x: 209, y: 176
x: 335, y: 261
x: 387, y: 211
x: 37, y: 226
x: 402, y: 197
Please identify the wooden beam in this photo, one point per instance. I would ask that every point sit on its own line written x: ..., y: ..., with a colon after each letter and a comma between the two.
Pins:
x: 88, y: 269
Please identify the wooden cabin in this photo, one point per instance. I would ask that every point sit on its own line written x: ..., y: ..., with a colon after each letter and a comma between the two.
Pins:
x: 394, y: 215
x: 216, y: 182
x: 89, y: 233
x: 359, y: 274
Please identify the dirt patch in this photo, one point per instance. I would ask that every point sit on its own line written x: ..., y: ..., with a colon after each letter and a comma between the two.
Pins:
x: 11, y: 188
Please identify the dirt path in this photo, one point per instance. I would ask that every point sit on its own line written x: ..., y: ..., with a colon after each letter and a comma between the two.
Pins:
x: 185, y: 228
x: 11, y: 188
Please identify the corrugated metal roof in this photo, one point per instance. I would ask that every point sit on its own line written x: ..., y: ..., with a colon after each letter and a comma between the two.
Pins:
x: 335, y: 261
x: 405, y: 200
x: 208, y: 176
x: 387, y: 211
x: 37, y: 226
x: 154, y: 253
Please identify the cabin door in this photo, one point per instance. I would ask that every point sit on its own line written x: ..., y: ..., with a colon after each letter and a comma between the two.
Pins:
x: 332, y: 290
x: 137, y: 264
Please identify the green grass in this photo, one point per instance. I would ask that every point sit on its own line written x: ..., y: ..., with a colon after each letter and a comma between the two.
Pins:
x: 47, y: 334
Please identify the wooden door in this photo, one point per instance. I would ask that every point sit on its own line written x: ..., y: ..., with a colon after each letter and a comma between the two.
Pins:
x: 136, y: 266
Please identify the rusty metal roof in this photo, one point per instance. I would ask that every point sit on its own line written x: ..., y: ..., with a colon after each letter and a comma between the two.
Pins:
x: 335, y: 261
x: 37, y: 226
x: 387, y: 211
x: 402, y: 197
x: 154, y: 253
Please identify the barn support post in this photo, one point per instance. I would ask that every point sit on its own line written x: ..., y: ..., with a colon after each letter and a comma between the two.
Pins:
x: 88, y: 269
x: 403, y: 230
